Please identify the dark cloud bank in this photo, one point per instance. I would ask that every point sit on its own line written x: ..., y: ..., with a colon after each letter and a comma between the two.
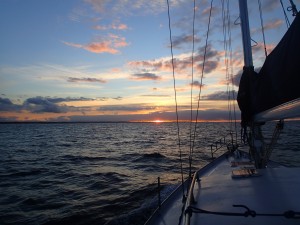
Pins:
x: 41, y: 105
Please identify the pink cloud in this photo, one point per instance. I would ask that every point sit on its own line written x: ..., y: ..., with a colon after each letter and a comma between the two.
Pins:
x: 100, y: 47
x: 95, y: 47
x: 120, y: 26
x: 108, y: 45
x: 272, y: 25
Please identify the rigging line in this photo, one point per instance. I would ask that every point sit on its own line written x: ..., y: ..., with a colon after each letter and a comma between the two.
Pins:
x: 226, y: 55
x: 193, y: 50
x: 224, y: 17
x: 293, y: 8
x: 175, y: 93
x: 285, y: 16
x: 202, y: 73
x: 262, y: 27
x: 229, y: 66
x: 231, y: 71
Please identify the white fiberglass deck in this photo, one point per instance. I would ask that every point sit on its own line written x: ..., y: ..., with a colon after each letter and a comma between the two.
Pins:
x: 274, y: 191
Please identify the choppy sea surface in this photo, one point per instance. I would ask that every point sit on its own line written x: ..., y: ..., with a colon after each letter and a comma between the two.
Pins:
x: 103, y: 173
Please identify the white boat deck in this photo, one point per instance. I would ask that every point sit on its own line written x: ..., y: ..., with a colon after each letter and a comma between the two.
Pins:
x: 274, y: 190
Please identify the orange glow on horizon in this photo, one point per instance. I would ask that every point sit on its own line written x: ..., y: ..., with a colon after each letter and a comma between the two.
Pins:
x: 157, y: 121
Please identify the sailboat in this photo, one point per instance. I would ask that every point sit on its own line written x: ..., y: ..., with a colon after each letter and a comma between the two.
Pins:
x: 241, y: 186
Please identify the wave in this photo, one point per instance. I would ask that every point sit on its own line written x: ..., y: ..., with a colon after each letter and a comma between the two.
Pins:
x: 144, y: 205
x: 30, y: 172
x: 150, y: 157
x: 92, y: 179
x: 155, y: 155
x: 83, y: 158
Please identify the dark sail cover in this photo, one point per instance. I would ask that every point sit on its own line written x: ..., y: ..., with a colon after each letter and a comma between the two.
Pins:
x: 278, y: 80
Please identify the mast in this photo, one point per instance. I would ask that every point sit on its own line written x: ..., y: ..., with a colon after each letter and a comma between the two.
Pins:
x: 257, y: 146
x: 248, y: 62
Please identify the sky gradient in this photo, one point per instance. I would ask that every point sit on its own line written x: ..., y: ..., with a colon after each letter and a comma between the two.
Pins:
x: 110, y: 60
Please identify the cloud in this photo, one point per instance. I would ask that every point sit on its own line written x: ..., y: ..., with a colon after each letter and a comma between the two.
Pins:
x: 161, y: 64
x: 269, y: 5
x: 85, y: 79
x: 95, y: 47
x: 182, y: 62
x: 260, y: 48
x: 210, y: 52
x: 43, y: 105
x: 273, y: 24
x: 236, y: 78
x: 126, y: 8
x: 196, y: 84
x: 219, y: 95
x: 183, y: 39
x: 7, y: 105
x: 76, y: 14
x: 119, y: 98
x: 209, y: 66
x: 145, y: 76
x: 114, y: 26
x: 208, y: 114
x: 101, y: 47
x: 269, y: 26
x: 205, y: 12
x: 109, y: 44
x: 128, y: 112
x: 68, y: 99
x: 129, y: 108
x: 155, y: 96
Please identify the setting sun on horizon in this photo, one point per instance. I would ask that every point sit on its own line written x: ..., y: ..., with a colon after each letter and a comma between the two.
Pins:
x: 158, y: 121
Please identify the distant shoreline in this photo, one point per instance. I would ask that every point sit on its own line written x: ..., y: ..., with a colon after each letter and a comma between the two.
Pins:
x: 64, y: 122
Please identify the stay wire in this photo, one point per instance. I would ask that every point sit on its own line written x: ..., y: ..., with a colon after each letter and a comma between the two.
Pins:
x: 262, y: 27
x: 175, y: 93
x: 202, y: 74
x: 231, y: 72
x: 224, y: 20
x: 193, y: 51
x: 293, y: 8
x: 229, y: 67
x: 285, y: 16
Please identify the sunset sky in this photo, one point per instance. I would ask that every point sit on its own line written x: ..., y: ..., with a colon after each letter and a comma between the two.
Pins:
x: 110, y: 60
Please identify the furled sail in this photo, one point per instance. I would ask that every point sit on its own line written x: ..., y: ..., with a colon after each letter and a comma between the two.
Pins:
x: 277, y: 82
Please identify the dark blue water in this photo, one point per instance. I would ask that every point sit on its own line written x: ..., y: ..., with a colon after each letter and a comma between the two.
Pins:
x: 102, y: 173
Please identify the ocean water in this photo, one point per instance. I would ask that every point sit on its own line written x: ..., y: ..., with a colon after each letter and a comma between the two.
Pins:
x: 103, y: 173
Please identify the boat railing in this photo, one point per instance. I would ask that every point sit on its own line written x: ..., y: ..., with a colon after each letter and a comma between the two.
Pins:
x: 220, y: 143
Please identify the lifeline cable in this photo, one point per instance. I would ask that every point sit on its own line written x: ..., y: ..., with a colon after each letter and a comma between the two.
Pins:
x: 289, y: 214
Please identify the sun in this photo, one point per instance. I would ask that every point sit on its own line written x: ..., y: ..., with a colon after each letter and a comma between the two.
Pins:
x: 157, y: 121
